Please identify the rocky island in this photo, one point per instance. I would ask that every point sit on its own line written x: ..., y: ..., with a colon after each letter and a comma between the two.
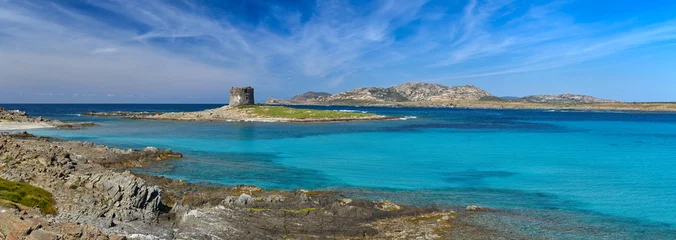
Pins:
x: 242, y: 108
x: 419, y: 94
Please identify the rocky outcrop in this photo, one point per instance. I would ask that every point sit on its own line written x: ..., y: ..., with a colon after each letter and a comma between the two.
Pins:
x: 16, y: 116
x: 564, y: 98
x: 418, y: 91
x: 84, y: 190
x: 407, y: 92
x: 15, y: 224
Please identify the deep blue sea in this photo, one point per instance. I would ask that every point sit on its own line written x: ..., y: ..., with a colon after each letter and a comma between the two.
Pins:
x: 574, y: 175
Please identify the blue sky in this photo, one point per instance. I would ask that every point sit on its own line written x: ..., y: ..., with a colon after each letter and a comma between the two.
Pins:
x: 194, y: 51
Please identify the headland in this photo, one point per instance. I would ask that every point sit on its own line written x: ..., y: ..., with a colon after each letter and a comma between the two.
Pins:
x: 18, y: 120
x: 419, y: 94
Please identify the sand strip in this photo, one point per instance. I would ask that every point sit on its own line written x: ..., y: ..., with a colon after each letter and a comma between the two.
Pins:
x: 11, y: 126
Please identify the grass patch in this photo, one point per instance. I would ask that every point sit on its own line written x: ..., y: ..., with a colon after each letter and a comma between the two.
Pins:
x: 302, y: 210
x: 26, y: 195
x: 296, y: 113
x: 258, y: 209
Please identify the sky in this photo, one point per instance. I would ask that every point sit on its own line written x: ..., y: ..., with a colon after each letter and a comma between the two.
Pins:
x: 193, y: 51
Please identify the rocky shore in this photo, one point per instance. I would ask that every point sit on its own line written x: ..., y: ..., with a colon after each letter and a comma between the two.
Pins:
x: 17, y: 120
x: 97, y: 198
x: 247, y: 114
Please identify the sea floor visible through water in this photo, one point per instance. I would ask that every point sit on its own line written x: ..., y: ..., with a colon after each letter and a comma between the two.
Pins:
x: 553, y: 174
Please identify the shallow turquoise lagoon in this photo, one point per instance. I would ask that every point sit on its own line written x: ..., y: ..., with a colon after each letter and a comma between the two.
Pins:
x: 611, y: 168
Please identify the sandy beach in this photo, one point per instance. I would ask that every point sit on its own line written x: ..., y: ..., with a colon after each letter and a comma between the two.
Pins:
x: 12, y: 126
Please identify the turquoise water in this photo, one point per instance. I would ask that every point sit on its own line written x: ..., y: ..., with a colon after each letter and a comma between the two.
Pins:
x: 614, y: 169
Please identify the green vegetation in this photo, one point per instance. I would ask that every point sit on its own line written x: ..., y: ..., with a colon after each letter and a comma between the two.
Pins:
x: 296, y: 113
x: 27, y: 196
x: 258, y: 209
x: 302, y: 210
x: 492, y: 98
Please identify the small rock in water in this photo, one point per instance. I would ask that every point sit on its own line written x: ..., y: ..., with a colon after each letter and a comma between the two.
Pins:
x: 151, y: 149
x: 245, y: 199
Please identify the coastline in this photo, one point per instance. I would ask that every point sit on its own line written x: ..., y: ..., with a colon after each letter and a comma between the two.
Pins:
x: 248, y: 114
x: 188, y: 210
x: 12, y: 120
x: 16, y: 126
x: 633, y: 107
x: 92, y: 185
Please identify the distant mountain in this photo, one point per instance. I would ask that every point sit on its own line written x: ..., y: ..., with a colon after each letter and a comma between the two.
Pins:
x: 407, y: 92
x: 564, y: 98
x: 309, y: 96
x: 426, y: 94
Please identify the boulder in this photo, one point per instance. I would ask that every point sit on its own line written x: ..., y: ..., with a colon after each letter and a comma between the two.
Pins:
x: 244, y: 199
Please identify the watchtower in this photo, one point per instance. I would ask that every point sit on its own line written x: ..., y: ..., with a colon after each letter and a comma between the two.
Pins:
x: 241, y: 96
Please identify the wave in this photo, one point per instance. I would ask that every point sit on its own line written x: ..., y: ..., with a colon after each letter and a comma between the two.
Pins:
x: 351, y: 111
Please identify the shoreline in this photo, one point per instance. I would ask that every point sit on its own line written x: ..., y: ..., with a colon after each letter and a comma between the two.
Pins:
x: 18, y: 126
x: 12, y: 120
x: 73, y: 170
x: 92, y: 185
x: 248, y: 114
x: 628, y: 107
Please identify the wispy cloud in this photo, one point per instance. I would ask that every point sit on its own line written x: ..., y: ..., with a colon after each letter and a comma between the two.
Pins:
x: 105, y: 50
x: 186, y: 48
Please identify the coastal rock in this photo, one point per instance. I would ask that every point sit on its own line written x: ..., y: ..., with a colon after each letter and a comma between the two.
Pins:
x: 228, y: 200
x: 386, y: 205
x: 16, y: 116
x: 29, y: 225
x: 473, y: 208
x: 274, y: 199
x: 84, y: 192
x: 151, y: 149
x: 244, y: 199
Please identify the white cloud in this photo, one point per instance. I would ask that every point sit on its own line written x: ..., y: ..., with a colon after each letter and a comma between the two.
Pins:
x: 105, y: 50
x: 188, y: 50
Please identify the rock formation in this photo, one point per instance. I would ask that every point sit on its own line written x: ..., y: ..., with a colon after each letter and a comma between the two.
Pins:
x: 407, y: 92
x: 16, y: 116
x: 241, y: 96
x: 84, y: 190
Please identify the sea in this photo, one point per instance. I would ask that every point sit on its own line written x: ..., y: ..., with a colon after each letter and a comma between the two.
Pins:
x: 559, y: 174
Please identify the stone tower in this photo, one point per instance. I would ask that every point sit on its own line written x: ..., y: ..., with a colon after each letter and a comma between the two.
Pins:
x: 241, y: 96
